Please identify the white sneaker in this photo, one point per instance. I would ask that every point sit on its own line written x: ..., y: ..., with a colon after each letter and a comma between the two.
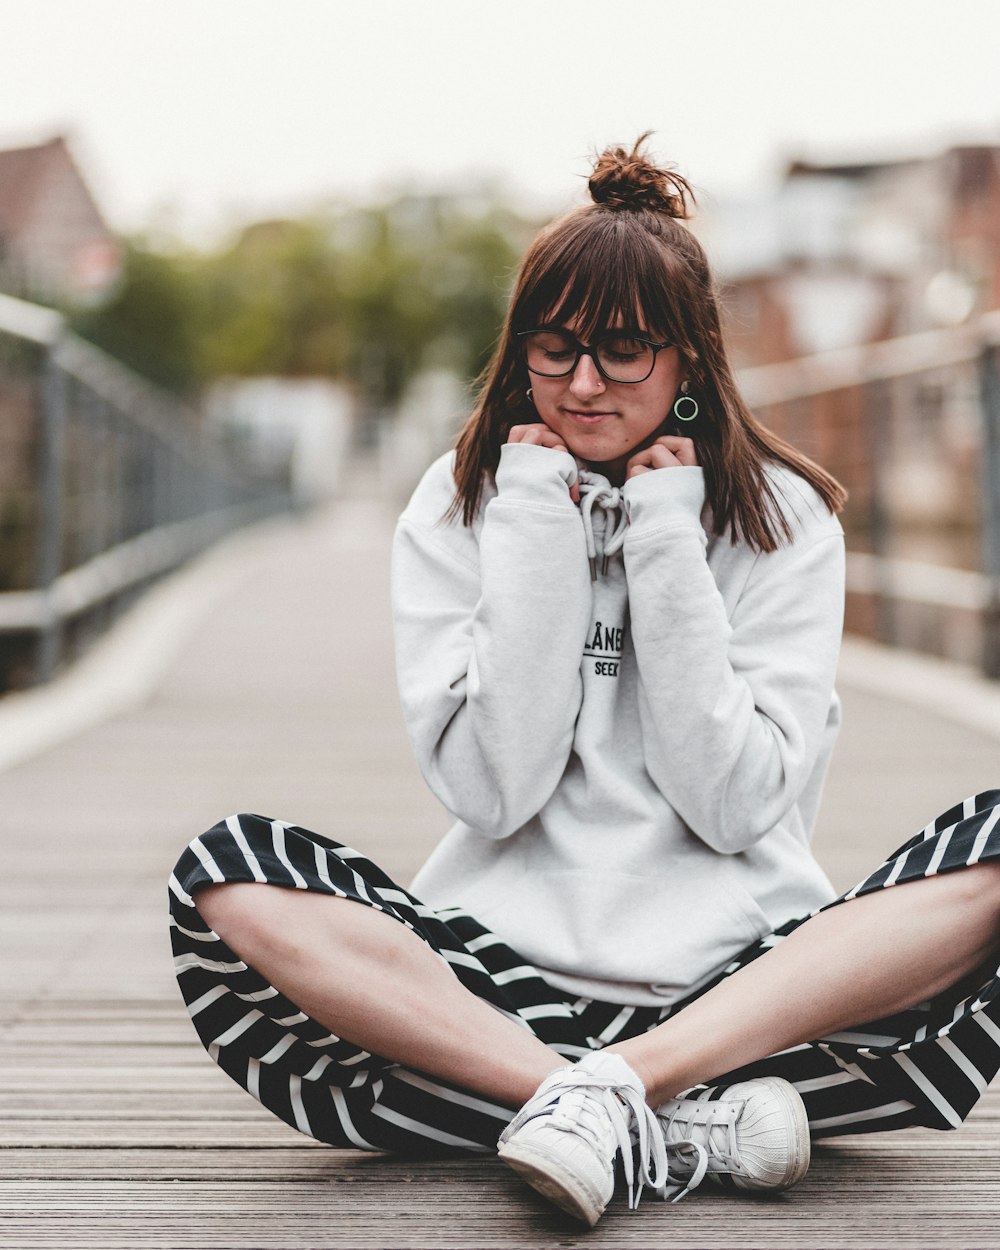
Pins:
x: 565, y: 1139
x: 752, y: 1135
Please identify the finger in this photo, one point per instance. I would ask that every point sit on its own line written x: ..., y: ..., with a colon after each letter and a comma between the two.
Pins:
x: 683, y: 448
x: 637, y: 469
x: 538, y: 434
x: 519, y: 433
x: 549, y: 438
x: 656, y: 456
x: 659, y: 456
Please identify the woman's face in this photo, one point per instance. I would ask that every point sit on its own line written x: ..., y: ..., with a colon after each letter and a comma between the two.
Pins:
x: 603, y: 422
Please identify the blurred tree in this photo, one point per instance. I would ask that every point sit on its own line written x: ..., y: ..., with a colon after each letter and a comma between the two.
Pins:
x: 367, y: 294
x: 152, y: 323
x: 430, y: 278
x: 473, y: 276
x: 272, y: 304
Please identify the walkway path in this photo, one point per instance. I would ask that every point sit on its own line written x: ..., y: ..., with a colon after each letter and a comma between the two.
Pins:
x: 118, y: 1132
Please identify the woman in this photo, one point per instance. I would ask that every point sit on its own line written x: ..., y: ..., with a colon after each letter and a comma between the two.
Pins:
x: 618, y: 610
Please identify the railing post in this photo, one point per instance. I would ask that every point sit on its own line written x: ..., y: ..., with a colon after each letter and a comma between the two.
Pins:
x: 50, y: 501
x: 878, y: 398
x: 989, y: 381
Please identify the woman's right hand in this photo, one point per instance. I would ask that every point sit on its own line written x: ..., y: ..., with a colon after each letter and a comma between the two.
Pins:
x: 540, y: 435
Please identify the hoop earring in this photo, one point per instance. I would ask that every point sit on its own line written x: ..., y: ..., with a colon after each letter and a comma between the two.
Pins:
x: 531, y: 398
x: 685, y: 398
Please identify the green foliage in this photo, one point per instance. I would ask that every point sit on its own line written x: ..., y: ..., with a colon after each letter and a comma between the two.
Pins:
x: 369, y: 295
x: 151, y: 323
x: 272, y: 303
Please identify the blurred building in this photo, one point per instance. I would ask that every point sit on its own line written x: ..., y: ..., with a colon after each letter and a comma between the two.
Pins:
x: 295, y: 429
x: 55, y: 246
x: 845, y: 254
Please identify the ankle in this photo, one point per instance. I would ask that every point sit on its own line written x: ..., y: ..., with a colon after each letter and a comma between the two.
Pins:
x: 658, y: 1086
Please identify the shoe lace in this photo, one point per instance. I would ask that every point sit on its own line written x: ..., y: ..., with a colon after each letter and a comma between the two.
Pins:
x: 705, y: 1130
x: 586, y: 1102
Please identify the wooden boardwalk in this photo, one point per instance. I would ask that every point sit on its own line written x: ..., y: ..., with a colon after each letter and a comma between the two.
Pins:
x: 117, y: 1131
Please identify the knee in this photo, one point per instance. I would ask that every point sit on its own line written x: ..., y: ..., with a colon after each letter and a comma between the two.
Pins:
x: 976, y: 883
x: 976, y: 890
x: 235, y: 910
x: 258, y: 920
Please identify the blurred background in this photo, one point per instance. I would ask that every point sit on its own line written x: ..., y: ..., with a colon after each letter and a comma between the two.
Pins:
x: 246, y: 244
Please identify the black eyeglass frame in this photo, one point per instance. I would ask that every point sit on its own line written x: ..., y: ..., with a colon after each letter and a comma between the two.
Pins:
x: 591, y: 351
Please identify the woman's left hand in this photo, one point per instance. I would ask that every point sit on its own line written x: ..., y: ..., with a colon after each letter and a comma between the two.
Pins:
x: 669, y: 451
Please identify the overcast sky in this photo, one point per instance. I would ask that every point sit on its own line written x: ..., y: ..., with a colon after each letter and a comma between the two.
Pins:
x: 213, y: 111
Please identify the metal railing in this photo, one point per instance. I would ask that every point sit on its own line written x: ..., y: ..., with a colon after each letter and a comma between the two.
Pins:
x: 912, y: 427
x: 105, y: 483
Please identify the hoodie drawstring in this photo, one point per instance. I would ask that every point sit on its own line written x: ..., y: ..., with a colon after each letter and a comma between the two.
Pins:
x: 610, y: 534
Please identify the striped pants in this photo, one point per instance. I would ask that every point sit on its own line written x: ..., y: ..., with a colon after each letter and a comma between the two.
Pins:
x: 925, y: 1066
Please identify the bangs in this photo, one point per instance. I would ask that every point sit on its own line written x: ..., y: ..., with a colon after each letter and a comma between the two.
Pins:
x: 601, y: 274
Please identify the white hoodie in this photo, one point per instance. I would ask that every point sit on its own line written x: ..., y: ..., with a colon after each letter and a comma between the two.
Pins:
x: 634, y: 762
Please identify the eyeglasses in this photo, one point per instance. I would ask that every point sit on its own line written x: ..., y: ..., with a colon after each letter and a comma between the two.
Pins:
x: 620, y: 355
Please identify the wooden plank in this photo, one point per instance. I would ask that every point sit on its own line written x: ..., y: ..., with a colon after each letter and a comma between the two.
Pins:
x: 302, y: 1160
x: 179, y: 1131
x: 189, y: 1078
x: 149, y: 1103
x: 444, y: 1205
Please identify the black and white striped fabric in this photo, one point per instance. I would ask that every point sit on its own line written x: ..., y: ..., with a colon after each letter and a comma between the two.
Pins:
x: 925, y: 1066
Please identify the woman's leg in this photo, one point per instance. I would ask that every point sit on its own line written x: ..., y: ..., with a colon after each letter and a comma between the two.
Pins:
x: 370, y: 980
x: 861, y: 960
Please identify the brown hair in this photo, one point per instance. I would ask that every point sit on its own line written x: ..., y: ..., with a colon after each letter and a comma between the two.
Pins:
x: 627, y: 258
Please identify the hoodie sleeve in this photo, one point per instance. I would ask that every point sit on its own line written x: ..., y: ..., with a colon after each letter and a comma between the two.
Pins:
x: 489, y: 638
x: 734, y: 701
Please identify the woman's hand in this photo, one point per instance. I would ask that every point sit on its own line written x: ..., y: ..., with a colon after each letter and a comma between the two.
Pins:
x: 669, y: 451
x: 540, y: 434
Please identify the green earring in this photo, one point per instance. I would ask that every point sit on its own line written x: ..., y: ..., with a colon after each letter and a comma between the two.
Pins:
x: 685, y: 398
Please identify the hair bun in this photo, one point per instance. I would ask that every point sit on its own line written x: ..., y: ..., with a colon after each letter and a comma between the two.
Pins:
x: 627, y: 180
